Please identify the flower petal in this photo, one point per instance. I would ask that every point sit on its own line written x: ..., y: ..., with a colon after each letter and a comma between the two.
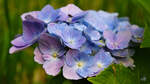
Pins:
x: 53, y: 67
x: 70, y: 73
x: 38, y: 56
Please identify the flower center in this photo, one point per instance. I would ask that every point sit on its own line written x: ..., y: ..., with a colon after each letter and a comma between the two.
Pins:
x: 100, y: 65
x: 80, y: 64
x: 55, y: 55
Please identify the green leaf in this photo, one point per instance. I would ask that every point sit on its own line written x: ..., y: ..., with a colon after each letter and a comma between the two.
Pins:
x: 146, y: 40
x: 114, y: 74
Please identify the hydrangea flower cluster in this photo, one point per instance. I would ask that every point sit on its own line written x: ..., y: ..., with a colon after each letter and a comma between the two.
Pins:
x: 82, y: 43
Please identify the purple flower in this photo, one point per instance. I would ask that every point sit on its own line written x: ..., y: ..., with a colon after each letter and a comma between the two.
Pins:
x: 119, y: 40
x: 32, y: 29
x: 72, y: 38
x: 70, y: 13
x: 102, y: 60
x: 52, y: 53
x: 137, y: 33
x: 77, y: 65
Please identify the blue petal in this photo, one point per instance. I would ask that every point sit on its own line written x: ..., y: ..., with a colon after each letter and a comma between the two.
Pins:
x: 72, y: 38
x: 92, y: 34
x: 48, y: 14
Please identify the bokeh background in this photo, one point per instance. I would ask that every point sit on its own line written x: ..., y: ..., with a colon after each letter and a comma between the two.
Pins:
x: 20, y: 68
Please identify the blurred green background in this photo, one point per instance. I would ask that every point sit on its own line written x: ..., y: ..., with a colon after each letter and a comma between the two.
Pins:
x: 20, y: 67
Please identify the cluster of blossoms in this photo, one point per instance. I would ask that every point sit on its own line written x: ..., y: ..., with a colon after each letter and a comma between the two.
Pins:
x: 83, y: 43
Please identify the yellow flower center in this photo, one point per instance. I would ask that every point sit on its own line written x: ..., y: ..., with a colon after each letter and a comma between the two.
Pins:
x: 80, y: 64
x: 55, y: 55
x: 100, y: 65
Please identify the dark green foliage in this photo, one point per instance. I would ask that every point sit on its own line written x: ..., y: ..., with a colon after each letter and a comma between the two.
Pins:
x: 114, y: 74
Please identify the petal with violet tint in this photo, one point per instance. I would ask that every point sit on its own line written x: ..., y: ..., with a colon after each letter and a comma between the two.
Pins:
x: 70, y: 73
x: 14, y: 49
x: 71, y: 9
x: 32, y: 30
x: 38, y: 56
x: 53, y: 67
x: 123, y: 38
x: 70, y: 57
x: 49, y: 44
x: 18, y: 42
x: 33, y: 14
x: 137, y: 33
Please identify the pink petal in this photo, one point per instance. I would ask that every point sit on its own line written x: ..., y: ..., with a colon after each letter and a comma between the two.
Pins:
x: 69, y: 73
x: 71, y: 9
x: 33, y: 13
x: 53, y: 67
x: 18, y: 41
x: 38, y: 56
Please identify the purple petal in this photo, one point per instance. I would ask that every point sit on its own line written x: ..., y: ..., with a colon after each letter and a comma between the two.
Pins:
x: 70, y: 9
x: 123, y: 38
x: 137, y: 33
x: 33, y: 14
x: 14, y: 49
x: 53, y: 67
x: 70, y: 73
x: 38, y: 56
x: 49, y: 45
x: 32, y: 30
x: 109, y: 35
x: 18, y: 41
x: 70, y: 57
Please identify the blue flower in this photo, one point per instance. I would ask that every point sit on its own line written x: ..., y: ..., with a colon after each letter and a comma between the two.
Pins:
x: 102, y: 60
x: 77, y: 65
x: 72, y: 38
